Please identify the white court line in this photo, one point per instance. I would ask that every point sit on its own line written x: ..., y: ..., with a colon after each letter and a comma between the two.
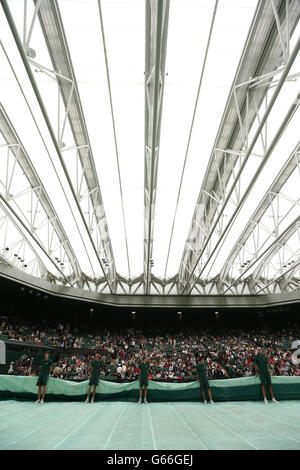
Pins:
x: 35, y: 406
x: 19, y: 411
x: 266, y: 429
x: 32, y: 405
x: 152, y: 430
x: 261, y: 425
x: 270, y: 416
x: 8, y: 422
x: 24, y: 437
x: 230, y: 430
x: 79, y: 426
x: 191, y: 431
x: 114, y: 427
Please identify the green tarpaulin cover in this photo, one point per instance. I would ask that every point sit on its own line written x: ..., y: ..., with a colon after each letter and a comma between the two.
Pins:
x: 246, y: 388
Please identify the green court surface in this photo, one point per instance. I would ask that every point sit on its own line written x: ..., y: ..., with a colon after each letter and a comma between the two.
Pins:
x: 155, y: 426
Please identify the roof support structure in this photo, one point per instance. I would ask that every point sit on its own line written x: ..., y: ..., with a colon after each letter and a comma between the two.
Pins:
x: 266, y: 247
x: 56, y: 41
x: 199, y: 302
x: 288, y: 281
x: 21, y: 253
x: 3, y: 260
x: 267, y: 255
x: 261, y: 59
x: 157, y: 15
x: 292, y: 110
x: 257, y: 233
x: 57, y: 245
x: 287, y: 257
x: 284, y: 280
x: 191, y: 129
x: 114, y: 132
x: 96, y: 225
x: 23, y: 229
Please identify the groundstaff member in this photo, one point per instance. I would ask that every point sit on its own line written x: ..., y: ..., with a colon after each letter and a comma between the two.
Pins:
x: 94, y: 378
x: 202, y: 378
x: 144, y: 372
x: 262, y: 369
x: 46, y: 368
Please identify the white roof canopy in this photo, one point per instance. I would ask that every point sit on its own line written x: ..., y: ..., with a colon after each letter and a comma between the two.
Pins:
x: 151, y: 147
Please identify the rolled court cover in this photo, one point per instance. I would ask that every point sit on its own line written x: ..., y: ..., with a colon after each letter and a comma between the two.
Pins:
x: 241, y: 389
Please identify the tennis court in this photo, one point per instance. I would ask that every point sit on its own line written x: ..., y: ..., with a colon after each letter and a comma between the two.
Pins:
x: 157, y: 426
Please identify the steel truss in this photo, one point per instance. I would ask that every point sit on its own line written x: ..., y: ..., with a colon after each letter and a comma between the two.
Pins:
x: 264, y: 225
x: 266, y: 58
x: 157, y: 15
x: 87, y: 185
x: 32, y: 201
x: 72, y: 136
x: 17, y: 250
x: 265, y: 250
x: 283, y: 255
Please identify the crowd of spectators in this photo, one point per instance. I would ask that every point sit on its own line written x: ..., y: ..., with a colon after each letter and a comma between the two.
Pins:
x: 22, y: 366
x: 171, y: 354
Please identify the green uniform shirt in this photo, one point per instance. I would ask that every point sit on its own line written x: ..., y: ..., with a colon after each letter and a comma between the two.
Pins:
x: 96, y: 365
x: 144, y: 369
x: 45, y: 367
x: 262, y: 362
x: 201, y: 370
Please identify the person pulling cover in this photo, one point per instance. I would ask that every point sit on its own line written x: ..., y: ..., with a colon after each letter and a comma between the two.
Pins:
x: 144, y: 370
x: 202, y: 378
x: 94, y: 379
x: 46, y: 369
x: 262, y: 369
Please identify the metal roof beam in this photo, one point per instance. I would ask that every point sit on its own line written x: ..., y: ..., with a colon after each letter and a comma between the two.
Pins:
x: 12, y: 217
x: 262, y: 55
x: 61, y: 61
x: 16, y: 147
x: 293, y: 108
x: 276, y: 247
x: 280, y: 180
x: 56, y: 41
x: 157, y: 15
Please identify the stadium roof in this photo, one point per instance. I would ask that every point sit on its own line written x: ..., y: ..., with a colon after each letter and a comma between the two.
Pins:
x: 151, y: 147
